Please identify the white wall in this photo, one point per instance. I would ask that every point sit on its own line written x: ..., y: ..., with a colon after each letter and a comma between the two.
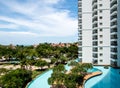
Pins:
x: 87, y: 39
x: 86, y: 5
x: 87, y: 21
x: 87, y: 55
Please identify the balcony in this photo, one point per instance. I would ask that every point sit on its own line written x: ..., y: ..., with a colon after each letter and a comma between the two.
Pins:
x: 113, y: 2
x: 113, y: 63
x: 94, y: 7
x: 94, y: 13
x: 113, y: 9
x: 114, y: 26
x: 114, y: 56
x: 95, y: 55
x: 113, y: 13
x: 114, y: 43
x: 114, y: 20
x: 95, y: 43
x: 113, y: 30
x: 114, y: 50
x: 94, y: 1
x: 114, y: 6
x: 95, y: 25
x: 94, y: 31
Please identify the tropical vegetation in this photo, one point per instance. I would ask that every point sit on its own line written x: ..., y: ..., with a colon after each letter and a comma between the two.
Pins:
x: 60, y: 78
x: 28, y: 56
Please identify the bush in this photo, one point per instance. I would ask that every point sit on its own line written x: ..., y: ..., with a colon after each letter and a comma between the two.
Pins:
x: 16, y: 79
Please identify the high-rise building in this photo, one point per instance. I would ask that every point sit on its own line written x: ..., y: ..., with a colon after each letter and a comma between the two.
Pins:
x: 94, y: 31
x: 115, y: 32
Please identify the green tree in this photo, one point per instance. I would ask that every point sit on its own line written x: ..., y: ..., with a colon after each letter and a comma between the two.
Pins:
x: 16, y: 78
x: 57, y: 77
x: 41, y: 63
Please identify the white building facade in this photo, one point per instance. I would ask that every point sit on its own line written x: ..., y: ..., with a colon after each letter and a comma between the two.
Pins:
x: 115, y: 32
x: 94, y: 31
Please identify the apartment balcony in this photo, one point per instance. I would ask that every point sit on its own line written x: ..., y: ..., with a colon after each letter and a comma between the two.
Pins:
x: 113, y: 20
x: 95, y: 31
x: 114, y: 50
x: 113, y: 30
x: 95, y: 25
x: 114, y: 6
x: 114, y: 26
x: 114, y: 43
x: 94, y: 13
x: 113, y: 13
x: 95, y: 43
x: 79, y: 1
x: 113, y: 9
x: 94, y: 1
x: 94, y: 6
x: 95, y: 55
x: 113, y: 63
x: 94, y: 17
x: 113, y: 2
x: 95, y: 61
x: 114, y: 56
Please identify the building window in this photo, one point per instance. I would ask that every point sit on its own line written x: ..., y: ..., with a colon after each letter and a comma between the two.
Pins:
x: 101, y: 29
x: 101, y: 48
x: 100, y: 17
x: 101, y: 42
x: 101, y: 54
x: 101, y: 36
x: 100, y: 11
x: 101, y: 60
x: 100, y: 5
x: 100, y: 23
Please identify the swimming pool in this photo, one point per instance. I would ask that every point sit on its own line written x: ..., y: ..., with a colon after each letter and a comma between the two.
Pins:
x: 109, y: 79
x: 41, y: 80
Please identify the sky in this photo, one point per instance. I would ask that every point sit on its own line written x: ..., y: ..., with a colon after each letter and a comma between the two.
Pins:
x: 28, y: 22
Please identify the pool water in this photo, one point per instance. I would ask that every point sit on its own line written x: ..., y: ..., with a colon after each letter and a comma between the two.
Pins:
x: 41, y: 80
x: 109, y: 79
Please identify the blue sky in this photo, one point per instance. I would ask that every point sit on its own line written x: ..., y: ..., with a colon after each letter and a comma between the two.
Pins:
x: 34, y: 21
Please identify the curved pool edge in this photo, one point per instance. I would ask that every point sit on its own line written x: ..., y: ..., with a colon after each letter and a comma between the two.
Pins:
x: 28, y: 84
x: 98, y: 73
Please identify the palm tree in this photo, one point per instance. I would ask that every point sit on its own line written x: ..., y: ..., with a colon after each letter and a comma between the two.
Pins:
x: 41, y: 63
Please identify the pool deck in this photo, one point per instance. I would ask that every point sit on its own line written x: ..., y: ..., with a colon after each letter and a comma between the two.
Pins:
x: 88, y: 76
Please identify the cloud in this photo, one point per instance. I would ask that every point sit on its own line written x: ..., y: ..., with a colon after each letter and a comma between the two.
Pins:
x: 38, y: 18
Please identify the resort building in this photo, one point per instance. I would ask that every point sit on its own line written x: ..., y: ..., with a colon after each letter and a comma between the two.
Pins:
x: 94, y: 31
x: 115, y: 32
